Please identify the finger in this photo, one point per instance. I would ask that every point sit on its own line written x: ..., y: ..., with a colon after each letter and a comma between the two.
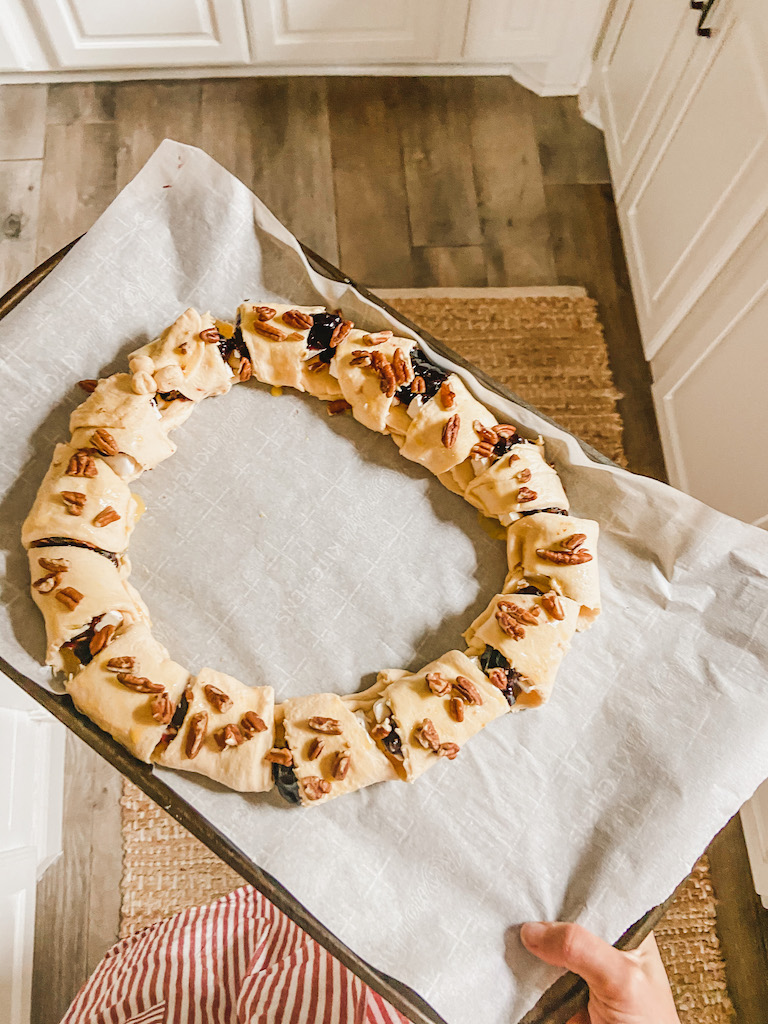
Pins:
x: 570, y: 946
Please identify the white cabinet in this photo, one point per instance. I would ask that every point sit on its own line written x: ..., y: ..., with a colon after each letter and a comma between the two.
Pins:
x: 144, y: 33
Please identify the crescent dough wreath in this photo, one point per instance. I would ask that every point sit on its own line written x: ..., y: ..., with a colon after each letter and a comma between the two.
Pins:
x: 317, y: 747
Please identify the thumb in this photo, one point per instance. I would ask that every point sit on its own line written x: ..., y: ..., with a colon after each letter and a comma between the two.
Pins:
x: 570, y: 946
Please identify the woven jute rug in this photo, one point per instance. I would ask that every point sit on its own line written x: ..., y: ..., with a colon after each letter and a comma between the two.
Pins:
x: 548, y: 347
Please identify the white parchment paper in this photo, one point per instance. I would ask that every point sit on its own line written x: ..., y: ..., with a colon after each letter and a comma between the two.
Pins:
x: 285, y: 547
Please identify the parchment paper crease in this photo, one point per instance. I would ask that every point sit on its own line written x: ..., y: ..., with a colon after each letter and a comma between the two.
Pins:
x: 280, y: 545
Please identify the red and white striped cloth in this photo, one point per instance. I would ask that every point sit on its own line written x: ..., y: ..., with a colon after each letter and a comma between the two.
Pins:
x: 237, y: 960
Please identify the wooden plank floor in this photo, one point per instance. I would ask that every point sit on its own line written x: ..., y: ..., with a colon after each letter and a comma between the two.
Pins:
x: 404, y: 183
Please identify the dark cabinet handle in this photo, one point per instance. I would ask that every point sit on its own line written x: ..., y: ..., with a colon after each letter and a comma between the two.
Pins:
x: 703, y: 7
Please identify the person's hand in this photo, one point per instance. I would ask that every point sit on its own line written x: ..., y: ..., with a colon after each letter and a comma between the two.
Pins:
x: 624, y: 988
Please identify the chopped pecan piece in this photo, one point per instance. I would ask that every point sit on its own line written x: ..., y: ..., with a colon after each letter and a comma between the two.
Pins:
x: 217, y: 698
x: 360, y: 358
x: 139, y: 684
x: 341, y: 765
x: 526, y: 616
x: 69, y: 597
x: 89, y: 386
x: 251, y: 724
x: 525, y: 494
x: 401, y: 365
x: 340, y: 332
x: 426, y: 735
x: 451, y: 431
x: 315, y: 749
x: 314, y: 788
x: 552, y: 606
x: 162, y: 708
x: 482, y: 450
x: 104, y: 442
x: 228, y: 736
x: 298, y: 320
x: 574, y: 541
x: 523, y: 476
x: 53, y: 564
x: 198, y: 725
x: 316, y: 366
x: 381, y: 730
x: 101, y: 638
x: 330, y: 726
x: 245, y: 370
x: 264, y: 313
x: 124, y: 664
x: 279, y: 755
x: 269, y: 331
x: 210, y: 335
x: 456, y: 708
x: 47, y: 583
x: 513, y: 458
x: 438, y: 684
x: 498, y: 677
x: 418, y: 386
x: 486, y: 434
x: 449, y: 750
x: 106, y: 516
x: 467, y: 690
x: 337, y: 406
x: 505, y: 430
x: 75, y: 502
x: 509, y: 626
x: 82, y: 464
x: 565, y: 557
x: 378, y: 338
x: 447, y: 395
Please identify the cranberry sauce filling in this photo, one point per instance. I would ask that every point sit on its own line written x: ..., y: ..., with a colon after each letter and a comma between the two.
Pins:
x: 286, y: 783
x: 67, y: 542
x: 175, y: 723
x: 80, y: 645
x: 393, y: 742
x: 432, y: 376
x: 319, y: 337
x: 503, y: 445
x: 234, y: 344
x: 491, y: 658
x: 535, y: 512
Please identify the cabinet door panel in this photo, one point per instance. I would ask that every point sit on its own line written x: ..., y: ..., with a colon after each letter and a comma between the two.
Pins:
x: 512, y: 30
x: 350, y: 32
x: 144, y: 33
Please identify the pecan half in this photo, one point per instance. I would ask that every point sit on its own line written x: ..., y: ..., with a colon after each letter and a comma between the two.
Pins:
x: 82, y: 464
x: 53, y: 564
x: 565, y: 557
x: 269, y: 331
x: 402, y: 368
x: 552, y: 606
x: 316, y: 366
x: 438, y: 684
x: 486, y: 434
x: 89, y: 386
x: 162, y: 708
x: 523, y: 476
x: 106, y: 516
x: 228, y: 736
x: 330, y: 726
x: 340, y: 332
x: 505, y: 430
x: 426, y: 735
x: 381, y: 730
x: 467, y: 690
x: 251, y: 724
x: 449, y: 750
x: 574, y: 541
x: 508, y: 625
x: 217, y: 698
x: 447, y: 395
x: 279, y: 755
x: 314, y: 788
x: 47, y: 583
x: 341, y: 765
x: 245, y: 370
x: 315, y: 749
x: 210, y: 335
x: 337, y: 406
x: 451, y: 431
x: 378, y: 338
x: 456, y: 708
x: 418, y: 386
x: 298, y: 320
x: 482, y: 450
x: 139, y: 684
x: 104, y: 442
x: 525, y: 494
x: 198, y: 724
x: 75, y: 502
x: 124, y: 664
x: 383, y: 368
x: 360, y: 358
x: 526, y: 616
x: 101, y: 638
x: 69, y: 597
x: 264, y: 312
x: 498, y: 677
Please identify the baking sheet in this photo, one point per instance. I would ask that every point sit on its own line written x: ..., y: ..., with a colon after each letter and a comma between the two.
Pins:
x: 285, y: 547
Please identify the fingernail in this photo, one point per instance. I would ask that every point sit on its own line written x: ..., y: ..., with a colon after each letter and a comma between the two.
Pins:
x: 532, y: 933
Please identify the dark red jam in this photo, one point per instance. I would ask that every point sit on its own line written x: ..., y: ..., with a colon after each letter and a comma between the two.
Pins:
x: 319, y: 337
x: 491, y: 658
x: 286, y: 783
x: 432, y: 376
x: 67, y: 542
